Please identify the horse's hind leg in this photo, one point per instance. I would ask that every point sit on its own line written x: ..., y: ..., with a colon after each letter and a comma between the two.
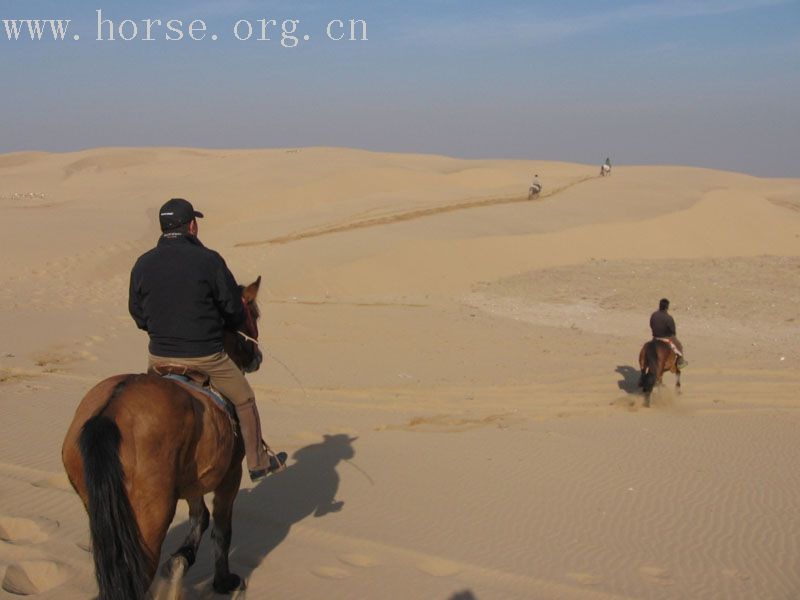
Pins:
x: 225, y: 581
x: 155, y: 511
x: 186, y: 554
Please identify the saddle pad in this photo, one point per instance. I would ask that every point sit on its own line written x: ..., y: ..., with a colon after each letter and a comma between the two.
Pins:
x: 217, y: 398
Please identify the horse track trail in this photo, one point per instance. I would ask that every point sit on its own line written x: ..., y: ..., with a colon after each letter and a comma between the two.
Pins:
x: 410, y: 215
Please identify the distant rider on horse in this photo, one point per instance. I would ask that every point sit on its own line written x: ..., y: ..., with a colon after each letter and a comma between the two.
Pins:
x: 183, y: 295
x: 663, y: 327
x: 536, y: 187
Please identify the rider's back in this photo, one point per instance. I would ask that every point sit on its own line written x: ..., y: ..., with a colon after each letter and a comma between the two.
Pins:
x: 662, y: 324
x: 183, y: 295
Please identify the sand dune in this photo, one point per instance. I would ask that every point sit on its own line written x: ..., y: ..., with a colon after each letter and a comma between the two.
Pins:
x: 481, y: 348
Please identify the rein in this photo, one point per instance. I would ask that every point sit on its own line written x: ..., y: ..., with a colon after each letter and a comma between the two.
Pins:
x: 248, y: 338
x: 268, y: 353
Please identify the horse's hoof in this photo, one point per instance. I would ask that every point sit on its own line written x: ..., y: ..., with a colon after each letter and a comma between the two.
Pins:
x: 175, y: 567
x: 230, y: 583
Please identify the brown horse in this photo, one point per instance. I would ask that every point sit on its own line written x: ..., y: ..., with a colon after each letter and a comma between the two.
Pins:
x: 139, y: 443
x: 656, y: 358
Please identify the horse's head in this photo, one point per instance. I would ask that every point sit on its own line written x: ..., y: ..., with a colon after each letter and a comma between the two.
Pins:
x: 242, y: 346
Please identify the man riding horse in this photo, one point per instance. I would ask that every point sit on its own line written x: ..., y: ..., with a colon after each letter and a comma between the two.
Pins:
x: 183, y: 295
x: 536, y: 187
x: 663, y: 327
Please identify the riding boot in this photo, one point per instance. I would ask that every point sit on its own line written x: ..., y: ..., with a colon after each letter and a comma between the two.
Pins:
x: 261, y: 460
x: 250, y: 427
x: 682, y: 362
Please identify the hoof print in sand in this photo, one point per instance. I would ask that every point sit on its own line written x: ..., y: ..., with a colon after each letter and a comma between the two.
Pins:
x: 439, y: 568
x: 330, y: 573
x: 584, y: 578
x: 656, y: 574
x: 31, y: 577
x: 735, y: 574
x: 17, y: 530
x: 54, y: 482
x: 358, y: 560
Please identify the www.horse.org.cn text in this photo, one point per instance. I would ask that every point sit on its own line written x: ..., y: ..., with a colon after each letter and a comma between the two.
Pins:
x: 288, y: 33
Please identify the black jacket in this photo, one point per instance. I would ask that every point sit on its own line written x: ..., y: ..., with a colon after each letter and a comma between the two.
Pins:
x: 183, y: 295
x: 662, y: 324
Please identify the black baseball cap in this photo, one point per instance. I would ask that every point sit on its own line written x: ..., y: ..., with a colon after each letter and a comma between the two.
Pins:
x: 177, y: 212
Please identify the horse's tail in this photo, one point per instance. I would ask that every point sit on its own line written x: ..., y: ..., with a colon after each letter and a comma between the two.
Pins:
x: 121, y: 565
x: 651, y: 359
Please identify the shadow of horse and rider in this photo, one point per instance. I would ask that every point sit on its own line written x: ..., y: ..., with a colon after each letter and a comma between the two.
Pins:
x: 265, y: 513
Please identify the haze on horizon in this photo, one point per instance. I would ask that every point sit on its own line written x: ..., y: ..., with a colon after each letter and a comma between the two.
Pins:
x: 709, y: 83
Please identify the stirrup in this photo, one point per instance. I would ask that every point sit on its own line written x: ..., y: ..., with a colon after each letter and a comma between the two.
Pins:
x: 277, y: 461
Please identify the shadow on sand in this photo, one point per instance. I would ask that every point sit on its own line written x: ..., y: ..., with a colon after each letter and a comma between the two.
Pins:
x: 264, y: 514
x: 630, y: 379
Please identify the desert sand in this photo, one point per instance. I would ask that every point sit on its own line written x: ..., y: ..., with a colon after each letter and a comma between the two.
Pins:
x: 451, y: 367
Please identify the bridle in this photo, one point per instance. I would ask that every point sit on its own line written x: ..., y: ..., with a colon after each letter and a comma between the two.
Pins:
x: 249, y: 323
x: 252, y: 327
x: 247, y: 337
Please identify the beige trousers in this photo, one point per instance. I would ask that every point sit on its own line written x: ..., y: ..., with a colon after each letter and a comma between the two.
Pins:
x: 230, y: 381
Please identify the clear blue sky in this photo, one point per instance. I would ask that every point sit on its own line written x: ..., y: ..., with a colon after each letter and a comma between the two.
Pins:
x: 707, y: 82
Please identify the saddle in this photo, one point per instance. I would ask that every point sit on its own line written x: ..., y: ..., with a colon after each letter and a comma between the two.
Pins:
x: 198, y: 381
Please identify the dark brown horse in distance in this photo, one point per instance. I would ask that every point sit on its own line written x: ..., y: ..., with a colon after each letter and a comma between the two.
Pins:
x: 138, y: 444
x: 656, y: 358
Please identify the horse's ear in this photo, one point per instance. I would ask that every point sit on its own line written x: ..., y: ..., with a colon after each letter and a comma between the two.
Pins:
x: 251, y: 291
